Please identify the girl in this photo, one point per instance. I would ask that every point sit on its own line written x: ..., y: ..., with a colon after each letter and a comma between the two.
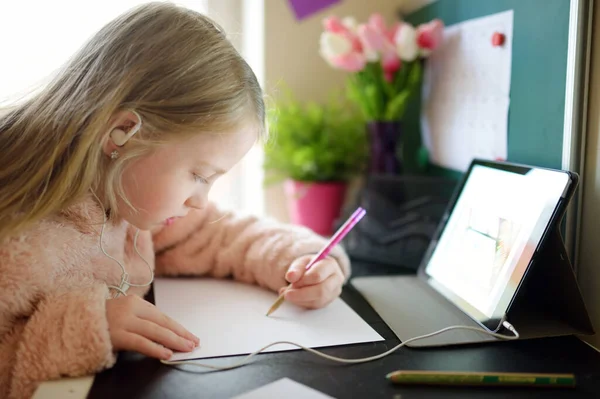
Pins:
x: 104, y: 177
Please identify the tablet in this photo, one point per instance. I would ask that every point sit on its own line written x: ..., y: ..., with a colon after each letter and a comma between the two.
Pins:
x: 491, y: 234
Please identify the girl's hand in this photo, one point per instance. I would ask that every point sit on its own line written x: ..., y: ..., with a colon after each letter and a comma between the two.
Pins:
x: 316, y: 287
x: 137, y: 325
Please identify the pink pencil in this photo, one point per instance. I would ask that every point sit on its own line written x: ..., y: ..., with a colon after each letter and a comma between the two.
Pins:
x: 335, y: 239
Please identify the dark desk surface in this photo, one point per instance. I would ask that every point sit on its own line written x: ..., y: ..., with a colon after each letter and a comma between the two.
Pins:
x: 135, y: 376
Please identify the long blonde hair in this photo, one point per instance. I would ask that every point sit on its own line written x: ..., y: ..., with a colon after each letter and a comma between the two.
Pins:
x: 174, y: 66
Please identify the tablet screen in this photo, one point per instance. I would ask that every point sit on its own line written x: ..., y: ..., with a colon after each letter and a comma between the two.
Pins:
x: 498, y: 220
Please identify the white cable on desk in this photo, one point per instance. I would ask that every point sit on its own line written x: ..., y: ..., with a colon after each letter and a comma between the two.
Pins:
x: 245, y: 360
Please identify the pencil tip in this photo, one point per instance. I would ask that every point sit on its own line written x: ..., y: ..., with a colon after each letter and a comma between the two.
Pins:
x: 276, y: 305
x: 272, y: 309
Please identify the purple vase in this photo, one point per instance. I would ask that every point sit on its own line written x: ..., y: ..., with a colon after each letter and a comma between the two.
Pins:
x: 383, y: 139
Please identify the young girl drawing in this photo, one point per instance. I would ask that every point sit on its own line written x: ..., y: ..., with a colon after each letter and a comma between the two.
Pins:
x: 104, y: 177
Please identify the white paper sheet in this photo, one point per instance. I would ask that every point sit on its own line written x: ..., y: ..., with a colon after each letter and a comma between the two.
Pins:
x: 230, y: 318
x: 284, y: 388
x: 466, y: 93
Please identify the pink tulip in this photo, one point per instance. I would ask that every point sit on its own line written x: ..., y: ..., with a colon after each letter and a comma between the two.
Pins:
x: 371, y: 38
x: 351, y: 62
x: 340, y: 51
x: 334, y: 25
x: 333, y: 45
x: 377, y: 22
x: 390, y: 63
x: 344, y: 45
x: 356, y: 44
x: 429, y: 35
x: 376, y: 43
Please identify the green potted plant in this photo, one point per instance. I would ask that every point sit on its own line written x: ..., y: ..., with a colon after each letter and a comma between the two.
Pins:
x: 316, y: 149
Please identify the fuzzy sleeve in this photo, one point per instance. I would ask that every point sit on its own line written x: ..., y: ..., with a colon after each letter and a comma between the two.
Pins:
x: 65, y: 335
x: 251, y: 250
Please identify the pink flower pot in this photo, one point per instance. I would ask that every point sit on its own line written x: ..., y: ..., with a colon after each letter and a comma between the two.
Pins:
x: 315, y: 205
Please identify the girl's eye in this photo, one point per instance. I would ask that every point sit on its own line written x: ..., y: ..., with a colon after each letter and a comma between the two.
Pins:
x: 200, y: 179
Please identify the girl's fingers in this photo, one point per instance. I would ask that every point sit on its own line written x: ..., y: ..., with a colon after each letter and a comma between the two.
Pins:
x: 297, y: 268
x: 161, y: 335
x: 316, y: 296
x: 151, y: 313
x: 318, y: 273
x: 135, y: 342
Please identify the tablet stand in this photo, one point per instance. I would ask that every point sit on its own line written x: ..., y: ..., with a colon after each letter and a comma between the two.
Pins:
x: 548, y: 303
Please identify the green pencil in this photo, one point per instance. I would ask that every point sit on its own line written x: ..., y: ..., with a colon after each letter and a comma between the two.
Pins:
x: 477, y: 378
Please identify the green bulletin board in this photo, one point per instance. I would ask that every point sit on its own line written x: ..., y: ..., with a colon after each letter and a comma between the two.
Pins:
x: 538, y: 75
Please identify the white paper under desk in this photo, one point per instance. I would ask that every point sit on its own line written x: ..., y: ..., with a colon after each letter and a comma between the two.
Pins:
x: 230, y: 318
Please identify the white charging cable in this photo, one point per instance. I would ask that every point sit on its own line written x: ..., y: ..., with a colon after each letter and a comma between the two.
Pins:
x: 245, y: 360
x: 125, y: 283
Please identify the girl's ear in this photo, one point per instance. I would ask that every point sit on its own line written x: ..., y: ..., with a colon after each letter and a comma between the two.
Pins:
x: 122, y: 126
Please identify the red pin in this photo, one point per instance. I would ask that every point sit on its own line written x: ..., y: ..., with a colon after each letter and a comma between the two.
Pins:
x: 498, y: 39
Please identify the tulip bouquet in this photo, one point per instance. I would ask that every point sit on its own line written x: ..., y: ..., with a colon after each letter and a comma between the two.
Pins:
x: 385, y: 62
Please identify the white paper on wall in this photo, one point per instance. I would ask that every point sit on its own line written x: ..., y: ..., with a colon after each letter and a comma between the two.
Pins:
x: 466, y: 93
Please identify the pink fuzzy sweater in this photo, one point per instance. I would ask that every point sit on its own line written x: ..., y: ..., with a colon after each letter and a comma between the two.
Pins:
x: 53, y: 281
